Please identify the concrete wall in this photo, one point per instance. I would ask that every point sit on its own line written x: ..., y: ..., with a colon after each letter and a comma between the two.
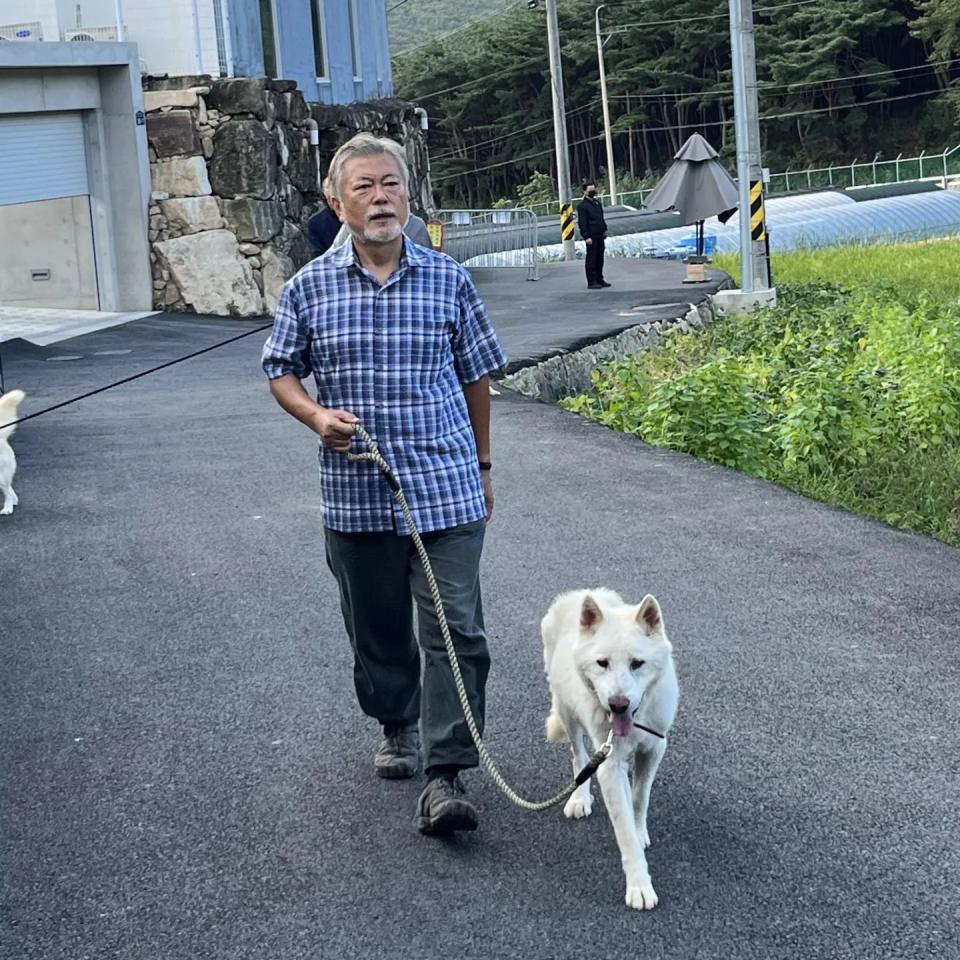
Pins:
x: 101, y: 80
x: 54, y: 235
x: 173, y: 36
x: 21, y: 11
x: 179, y: 37
x: 93, y: 13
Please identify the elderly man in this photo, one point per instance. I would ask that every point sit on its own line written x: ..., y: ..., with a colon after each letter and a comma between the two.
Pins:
x: 397, y: 338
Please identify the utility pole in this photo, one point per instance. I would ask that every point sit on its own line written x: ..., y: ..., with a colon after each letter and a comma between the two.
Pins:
x: 754, y: 261
x: 560, y: 132
x: 611, y: 171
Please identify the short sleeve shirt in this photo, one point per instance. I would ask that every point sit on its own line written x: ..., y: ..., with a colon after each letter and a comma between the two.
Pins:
x: 396, y: 355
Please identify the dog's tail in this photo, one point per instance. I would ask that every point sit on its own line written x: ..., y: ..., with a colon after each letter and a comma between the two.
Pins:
x: 8, y: 411
x: 556, y: 731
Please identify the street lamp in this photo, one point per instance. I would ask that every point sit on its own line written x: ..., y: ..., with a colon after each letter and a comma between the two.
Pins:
x: 611, y: 170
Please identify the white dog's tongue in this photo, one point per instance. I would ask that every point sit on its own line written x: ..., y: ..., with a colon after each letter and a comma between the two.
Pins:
x: 621, y: 724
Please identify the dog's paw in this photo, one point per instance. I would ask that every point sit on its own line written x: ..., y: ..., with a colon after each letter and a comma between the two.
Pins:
x: 578, y: 807
x: 6, y: 511
x: 643, y: 836
x: 641, y: 896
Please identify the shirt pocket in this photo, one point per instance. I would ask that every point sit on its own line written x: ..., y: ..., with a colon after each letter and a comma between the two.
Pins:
x: 341, y: 347
x: 421, y: 346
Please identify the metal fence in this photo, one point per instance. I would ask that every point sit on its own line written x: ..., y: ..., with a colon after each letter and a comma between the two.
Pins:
x: 492, y: 238
x: 838, y: 176
x: 928, y: 166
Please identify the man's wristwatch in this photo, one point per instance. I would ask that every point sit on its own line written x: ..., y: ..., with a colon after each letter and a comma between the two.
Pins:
x: 484, y: 464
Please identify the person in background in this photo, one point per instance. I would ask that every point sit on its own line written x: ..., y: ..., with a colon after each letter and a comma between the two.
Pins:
x: 416, y: 230
x: 593, y: 230
x: 324, y: 225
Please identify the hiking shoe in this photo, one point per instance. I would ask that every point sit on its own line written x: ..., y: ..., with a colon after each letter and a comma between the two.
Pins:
x: 441, y: 809
x: 604, y: 283
x: 399, y: 755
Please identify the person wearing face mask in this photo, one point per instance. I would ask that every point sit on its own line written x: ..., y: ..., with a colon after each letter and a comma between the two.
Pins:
x: 593, y: 230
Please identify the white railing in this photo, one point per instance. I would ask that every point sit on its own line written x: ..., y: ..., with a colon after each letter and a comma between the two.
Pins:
x: 492, y: 238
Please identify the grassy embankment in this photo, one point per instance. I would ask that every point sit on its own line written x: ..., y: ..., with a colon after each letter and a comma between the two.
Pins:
x: 848, y: 391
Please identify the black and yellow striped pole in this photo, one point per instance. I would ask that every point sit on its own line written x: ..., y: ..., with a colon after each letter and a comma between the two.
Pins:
x: 566, y: 221
x: 759, y: 240
x: 758, y: 226
x: 754, y: 260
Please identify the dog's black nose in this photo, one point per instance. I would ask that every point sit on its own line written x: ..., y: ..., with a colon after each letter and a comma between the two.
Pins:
x: 618, y: 704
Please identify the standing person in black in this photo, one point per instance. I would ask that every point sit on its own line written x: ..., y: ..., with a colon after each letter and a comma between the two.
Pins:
x: 593, y: 229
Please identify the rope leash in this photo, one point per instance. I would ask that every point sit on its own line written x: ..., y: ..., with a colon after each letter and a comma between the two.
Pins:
x: 373, y: 454
x: 130, y: 379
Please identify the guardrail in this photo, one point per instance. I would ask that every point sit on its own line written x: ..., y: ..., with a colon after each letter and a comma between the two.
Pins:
x: 473, y: 236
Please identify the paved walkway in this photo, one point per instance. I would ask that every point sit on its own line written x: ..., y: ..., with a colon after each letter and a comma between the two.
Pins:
x: 186, y: 776
x: 537, y: 319
x: 43, y: 327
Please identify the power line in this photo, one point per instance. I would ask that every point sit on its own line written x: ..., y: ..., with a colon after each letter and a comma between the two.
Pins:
x: 503, y: 163
x: 506, y: 136
x: 695, y: 126
x: 509, y: 135
x: 766, y: 87
x: 623, y: 27
x: 849, y: 106
x: 486, y: 79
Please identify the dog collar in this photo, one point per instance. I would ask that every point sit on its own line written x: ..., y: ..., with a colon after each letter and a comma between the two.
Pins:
x: 650, y: 730
x: 655, y: 733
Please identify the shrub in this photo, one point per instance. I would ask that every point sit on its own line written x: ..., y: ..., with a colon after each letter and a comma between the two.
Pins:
x: 848, y: 393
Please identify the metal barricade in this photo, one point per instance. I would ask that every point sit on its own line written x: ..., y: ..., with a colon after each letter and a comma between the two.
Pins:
x: 492, y: 238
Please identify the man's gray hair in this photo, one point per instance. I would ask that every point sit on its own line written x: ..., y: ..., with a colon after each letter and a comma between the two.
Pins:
x: 365, y: 145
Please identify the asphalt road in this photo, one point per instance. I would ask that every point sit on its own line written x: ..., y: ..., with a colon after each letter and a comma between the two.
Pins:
x: 557, y: 313
x: 186, y: 775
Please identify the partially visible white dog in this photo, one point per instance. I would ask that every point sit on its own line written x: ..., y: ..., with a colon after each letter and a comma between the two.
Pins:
x: 610, y: 668
x: 8, y: 462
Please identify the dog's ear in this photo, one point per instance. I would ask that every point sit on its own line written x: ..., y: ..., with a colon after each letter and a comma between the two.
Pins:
x: 649, y: 616
x: 590, y: 614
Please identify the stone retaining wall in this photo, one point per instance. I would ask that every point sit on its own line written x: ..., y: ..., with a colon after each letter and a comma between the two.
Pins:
x: 568, y: 374
x: 234, y: 179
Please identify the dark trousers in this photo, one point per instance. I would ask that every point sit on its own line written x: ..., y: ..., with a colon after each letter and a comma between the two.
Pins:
x: 594, y: 262
x: 380, y: 578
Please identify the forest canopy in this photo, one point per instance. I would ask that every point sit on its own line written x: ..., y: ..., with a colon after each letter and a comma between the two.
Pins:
x: 838, y: 80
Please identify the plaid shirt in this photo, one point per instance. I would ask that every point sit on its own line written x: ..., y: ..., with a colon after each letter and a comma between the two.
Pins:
x: 395, y: 356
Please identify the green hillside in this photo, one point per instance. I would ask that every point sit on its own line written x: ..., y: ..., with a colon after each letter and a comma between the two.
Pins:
x: 415, y: 22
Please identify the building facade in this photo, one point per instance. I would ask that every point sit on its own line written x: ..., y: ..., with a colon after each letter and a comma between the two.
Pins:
x: 74, y: 177
x: 336, y: 51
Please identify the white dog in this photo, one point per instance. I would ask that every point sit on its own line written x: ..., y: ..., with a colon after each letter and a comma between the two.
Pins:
x: 610, y: 668
x: 8, y: 462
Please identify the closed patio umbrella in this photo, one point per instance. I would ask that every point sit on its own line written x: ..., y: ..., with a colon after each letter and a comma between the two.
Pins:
x: 697, y: 186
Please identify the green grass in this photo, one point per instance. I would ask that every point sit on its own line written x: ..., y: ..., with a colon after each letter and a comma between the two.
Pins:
x: 929, y: 268
x: 848, y: 391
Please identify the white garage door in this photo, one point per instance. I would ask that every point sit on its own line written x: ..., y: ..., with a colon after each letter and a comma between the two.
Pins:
x: 42, y: 157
